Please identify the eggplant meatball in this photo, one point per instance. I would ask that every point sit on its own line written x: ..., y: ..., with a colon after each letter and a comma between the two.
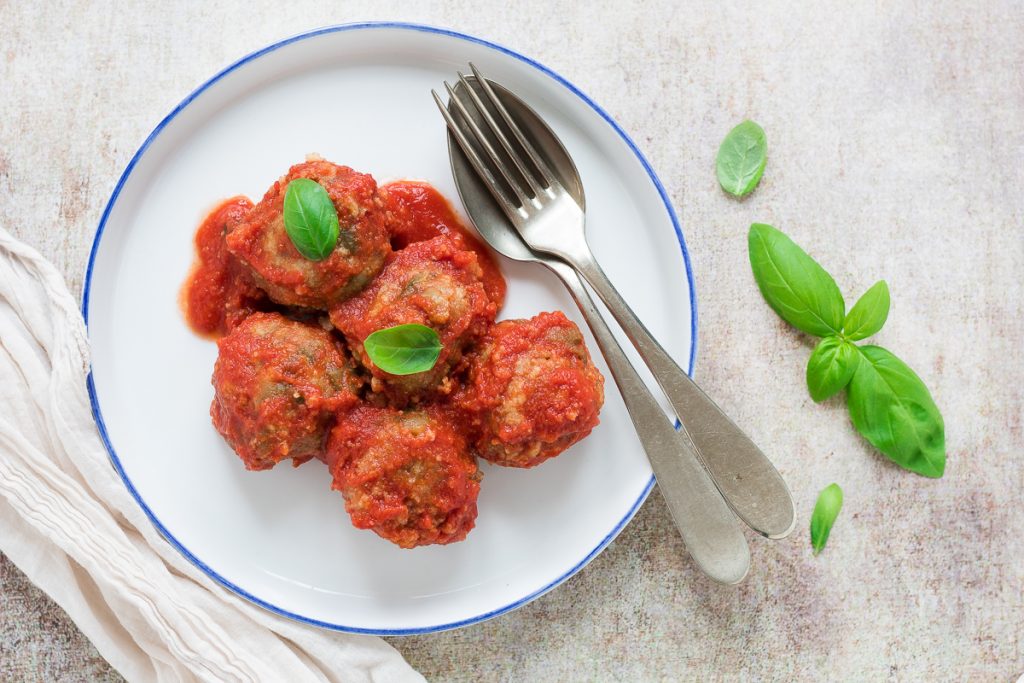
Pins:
x: 408, y: 476
x: 416, y: 211
x: 262, y: 243
x: 532, y: 391
x: 432, y: 283
x: 278, y: 383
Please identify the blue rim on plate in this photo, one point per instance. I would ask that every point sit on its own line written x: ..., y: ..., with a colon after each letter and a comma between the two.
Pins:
x: 98, y: 415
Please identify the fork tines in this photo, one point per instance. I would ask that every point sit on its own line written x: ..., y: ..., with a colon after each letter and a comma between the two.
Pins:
x: 525, y: 180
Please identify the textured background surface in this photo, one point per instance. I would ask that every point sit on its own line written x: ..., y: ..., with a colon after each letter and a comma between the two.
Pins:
x: 896, y: 146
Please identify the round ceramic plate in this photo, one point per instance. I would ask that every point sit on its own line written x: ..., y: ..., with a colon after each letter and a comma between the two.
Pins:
x: 359, y: 95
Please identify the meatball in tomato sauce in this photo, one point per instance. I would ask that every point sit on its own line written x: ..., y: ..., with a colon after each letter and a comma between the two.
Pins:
x: 416, y: 211
x: 532, y: 391
x: 431, y: 283
x: 278, y: 386
x: 407, y: 475
x: 263, y: 245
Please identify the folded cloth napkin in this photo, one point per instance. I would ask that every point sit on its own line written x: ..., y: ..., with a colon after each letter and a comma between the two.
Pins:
x: 69, y: 523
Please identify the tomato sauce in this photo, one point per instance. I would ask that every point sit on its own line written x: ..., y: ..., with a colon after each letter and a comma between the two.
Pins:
x: 263, y: 244
x: 219, y: 293
x: 401, y: 449
x: 408, y: 475
x: 279, y: 384
x: 419, y: 212
x: 533, y: 391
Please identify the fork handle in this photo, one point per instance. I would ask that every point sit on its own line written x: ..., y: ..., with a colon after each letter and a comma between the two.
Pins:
x: 708, y: 527
x: 750, y: 483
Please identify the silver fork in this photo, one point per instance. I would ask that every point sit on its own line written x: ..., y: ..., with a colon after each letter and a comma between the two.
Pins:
x: 551, y: 221
x: 709, y: 529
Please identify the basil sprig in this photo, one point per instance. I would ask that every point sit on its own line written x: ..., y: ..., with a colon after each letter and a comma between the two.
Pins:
x: 310, y: 219
x: 826, y: 509
x: 889, y: 404
x: 741, y: 159
x: 404, y: 349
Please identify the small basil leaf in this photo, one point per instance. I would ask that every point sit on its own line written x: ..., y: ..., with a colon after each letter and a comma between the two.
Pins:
x: 793, y: 283
x: 830, y: 502
x: 404, y: 349
x: 869, y: 313
x: 310, y: 218
x: 830, y: 368
x: 741, y: 159
x: 891, y: 407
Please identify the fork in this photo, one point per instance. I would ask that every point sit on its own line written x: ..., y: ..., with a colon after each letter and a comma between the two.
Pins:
x: 550, y: 221
x: 708, y: 527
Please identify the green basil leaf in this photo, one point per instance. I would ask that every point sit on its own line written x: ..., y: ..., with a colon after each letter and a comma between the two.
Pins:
x: 830, y: 502
x: 869, y: 313
x: 794, y: 284
x: 741, y: 159
x: 830, y: 368
x: 310, y: 218
x: 404, y: 349
x: 891, y: 407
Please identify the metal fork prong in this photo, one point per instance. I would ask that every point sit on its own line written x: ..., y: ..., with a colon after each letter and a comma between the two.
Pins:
x: 478, y: 164
x: 488, y: 149
x: 535, y: 158
x: 502, y: 138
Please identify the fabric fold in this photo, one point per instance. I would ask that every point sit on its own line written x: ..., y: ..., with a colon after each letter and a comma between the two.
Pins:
x: 69, y: 523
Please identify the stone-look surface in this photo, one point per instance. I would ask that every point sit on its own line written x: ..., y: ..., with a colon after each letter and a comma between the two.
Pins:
x: 896, y: 145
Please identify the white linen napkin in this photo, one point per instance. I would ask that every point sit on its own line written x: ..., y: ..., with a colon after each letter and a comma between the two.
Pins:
x: 69, y: 523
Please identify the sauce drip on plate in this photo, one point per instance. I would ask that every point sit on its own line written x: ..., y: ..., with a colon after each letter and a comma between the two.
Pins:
x: 218, y: 293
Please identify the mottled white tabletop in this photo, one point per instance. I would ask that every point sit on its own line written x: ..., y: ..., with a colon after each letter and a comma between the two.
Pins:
x: 896, y: 135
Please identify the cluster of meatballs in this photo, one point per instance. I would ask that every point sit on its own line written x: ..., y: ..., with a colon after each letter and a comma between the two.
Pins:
x: 293, y: 382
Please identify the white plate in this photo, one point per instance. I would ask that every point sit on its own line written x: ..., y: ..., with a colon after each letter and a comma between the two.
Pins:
x: 359, y: 95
